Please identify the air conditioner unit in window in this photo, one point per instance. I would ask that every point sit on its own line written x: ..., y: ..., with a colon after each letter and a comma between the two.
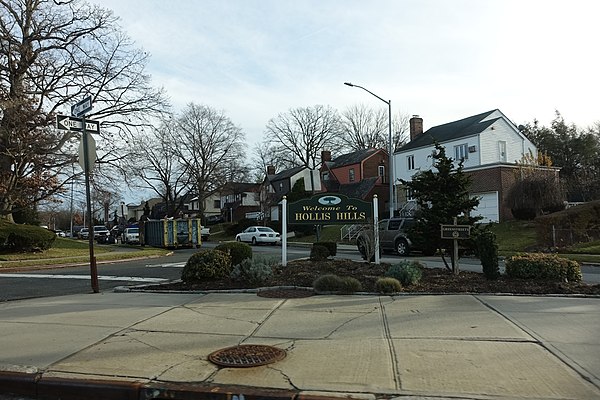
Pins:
x: 472, y: 149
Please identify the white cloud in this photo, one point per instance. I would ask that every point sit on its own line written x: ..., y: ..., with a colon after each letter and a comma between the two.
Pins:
x: 444, y: 60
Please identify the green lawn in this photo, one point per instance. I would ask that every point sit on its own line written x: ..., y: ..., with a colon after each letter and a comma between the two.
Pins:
x: 76, y: 251
x: 514, y: 236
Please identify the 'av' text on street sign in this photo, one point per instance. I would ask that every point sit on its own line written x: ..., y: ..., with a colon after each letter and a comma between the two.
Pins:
x: 456, y: 231
x: 79, y: 109
x: 65, y: 122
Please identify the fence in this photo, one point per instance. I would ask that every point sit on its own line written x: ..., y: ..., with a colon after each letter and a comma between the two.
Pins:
x: 571, y: 236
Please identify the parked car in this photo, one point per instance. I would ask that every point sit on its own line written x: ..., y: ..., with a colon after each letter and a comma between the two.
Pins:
x: 131, y: 235
x: 100, y: 231
x: 258, y: 234
x: 84, y: 233
x: 214, y: 219
x: 204, y: 233
x: 393, y: 237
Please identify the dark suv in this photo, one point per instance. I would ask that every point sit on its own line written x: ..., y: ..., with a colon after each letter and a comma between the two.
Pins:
x: 393, y: 236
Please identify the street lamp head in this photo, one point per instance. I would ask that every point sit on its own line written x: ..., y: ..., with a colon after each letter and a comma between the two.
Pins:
x: 348, y: 84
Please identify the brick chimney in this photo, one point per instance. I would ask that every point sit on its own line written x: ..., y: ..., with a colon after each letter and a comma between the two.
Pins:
x: 270, y: 170
x: 416, y: 127
x: 325, y: 156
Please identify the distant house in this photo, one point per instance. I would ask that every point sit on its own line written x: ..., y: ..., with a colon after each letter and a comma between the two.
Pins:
x: 277, y: 185
x: 238, y: 199
x: 489, y: 145
x: 135, y: 211
x: 211, y: 203
x: 360, y: 174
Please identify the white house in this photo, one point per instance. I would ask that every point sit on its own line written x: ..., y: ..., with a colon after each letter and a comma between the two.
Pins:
x: 490, y: 145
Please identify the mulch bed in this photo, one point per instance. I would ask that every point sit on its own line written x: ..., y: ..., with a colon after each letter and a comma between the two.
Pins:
x: 302, y: 273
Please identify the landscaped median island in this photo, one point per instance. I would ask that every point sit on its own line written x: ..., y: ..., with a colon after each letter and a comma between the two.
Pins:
x: 528, y: 274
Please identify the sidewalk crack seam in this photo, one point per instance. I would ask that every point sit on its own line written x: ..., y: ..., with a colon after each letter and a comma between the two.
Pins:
x: 259, y: 324
x: 375, y: 309
x: 285, y: 376
x: 393, y: 354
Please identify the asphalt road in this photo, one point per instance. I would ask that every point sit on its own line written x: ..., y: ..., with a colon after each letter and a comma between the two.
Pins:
x: 76, y: 279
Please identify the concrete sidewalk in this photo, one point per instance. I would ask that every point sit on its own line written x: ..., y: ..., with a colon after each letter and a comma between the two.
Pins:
x: 144, y: 346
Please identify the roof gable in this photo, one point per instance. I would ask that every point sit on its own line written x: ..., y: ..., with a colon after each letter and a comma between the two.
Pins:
x: 469, y: 126
x: 351, y: 158
x: 285, y: 174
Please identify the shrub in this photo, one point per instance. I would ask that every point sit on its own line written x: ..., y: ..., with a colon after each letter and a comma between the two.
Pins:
x: 487, y: 249
x: 540, y: 266
x: 328, y: 283
x: 256, y: 270
x: 388, y: 285
x: 407, y: 272
x: 25, y: 238
x: 237, y: 250
x: 331, y: 246
x: 318, y: 253
x: 206, y: 265
x: 350, y: 285
x: 334, y: 283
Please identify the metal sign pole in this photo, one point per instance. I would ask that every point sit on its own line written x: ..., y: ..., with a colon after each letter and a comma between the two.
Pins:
x: 93, y: 268
x: 284, y: 231
x: 376, y: 229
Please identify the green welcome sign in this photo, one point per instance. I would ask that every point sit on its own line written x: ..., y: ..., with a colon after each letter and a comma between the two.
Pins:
x: 330, y: 209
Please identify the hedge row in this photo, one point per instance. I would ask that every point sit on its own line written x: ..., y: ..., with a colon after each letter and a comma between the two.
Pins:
x: 25, y: 238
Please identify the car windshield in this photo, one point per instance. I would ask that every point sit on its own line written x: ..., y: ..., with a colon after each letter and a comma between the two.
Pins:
x: 133, y: 230
x: 100, y: 228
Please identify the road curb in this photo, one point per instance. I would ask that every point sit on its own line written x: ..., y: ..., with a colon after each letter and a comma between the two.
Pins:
x: 36, y: 386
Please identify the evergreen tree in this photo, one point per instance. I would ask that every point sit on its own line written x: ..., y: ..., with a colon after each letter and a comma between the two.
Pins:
x: 441, y: 194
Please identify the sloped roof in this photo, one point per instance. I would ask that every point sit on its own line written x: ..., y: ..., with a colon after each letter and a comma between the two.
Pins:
x: 351, y: 158
x: 452, y: 130
x: 358, y: 189
x: 285, y: 174
x: 241, y: 187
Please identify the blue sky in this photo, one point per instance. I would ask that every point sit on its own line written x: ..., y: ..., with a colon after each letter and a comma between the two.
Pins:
x: 442, y: 60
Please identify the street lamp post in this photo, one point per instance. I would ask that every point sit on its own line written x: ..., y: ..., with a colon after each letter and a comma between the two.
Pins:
x: 391, y: 151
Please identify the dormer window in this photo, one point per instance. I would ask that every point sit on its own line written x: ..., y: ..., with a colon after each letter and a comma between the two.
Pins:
x: 351, y: 175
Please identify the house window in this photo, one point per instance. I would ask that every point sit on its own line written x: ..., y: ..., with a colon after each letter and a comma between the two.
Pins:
x: 381, y: 170
x: 217, y: 204
x: 410, y: 194
x: 461, y: 152
x: 351, y: 176
x: 410, y: 162
x: 502, y: 151
x: 325, y: 176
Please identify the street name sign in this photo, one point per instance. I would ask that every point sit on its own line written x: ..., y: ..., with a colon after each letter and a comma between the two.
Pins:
x: 456, y: 231
x: 65, y: 122
x: 79, y: 109
x: 91, y: 153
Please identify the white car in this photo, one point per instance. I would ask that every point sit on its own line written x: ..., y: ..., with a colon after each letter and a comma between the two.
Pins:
x: 131, y: 235
x: 258, y: 234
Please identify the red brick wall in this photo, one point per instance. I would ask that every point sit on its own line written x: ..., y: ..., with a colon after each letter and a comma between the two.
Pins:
x: 499, y: 179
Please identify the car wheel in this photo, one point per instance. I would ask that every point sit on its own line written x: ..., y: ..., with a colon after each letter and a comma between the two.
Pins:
x: 253, y: 241
x: 402, y: 247
x: 239, y: 239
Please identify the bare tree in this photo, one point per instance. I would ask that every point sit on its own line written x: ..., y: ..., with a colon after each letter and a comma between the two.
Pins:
x: 154, y: 161
x: 52, y: 55
x: 209, y: 145
x: 367, y: 128
x: 300, y: 135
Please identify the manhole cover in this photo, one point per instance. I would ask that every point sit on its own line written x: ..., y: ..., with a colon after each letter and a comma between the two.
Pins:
x: 285, y: 293
x: 247, y: 355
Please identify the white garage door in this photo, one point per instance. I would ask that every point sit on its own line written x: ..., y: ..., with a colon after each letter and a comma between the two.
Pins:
x: 488, y: 207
